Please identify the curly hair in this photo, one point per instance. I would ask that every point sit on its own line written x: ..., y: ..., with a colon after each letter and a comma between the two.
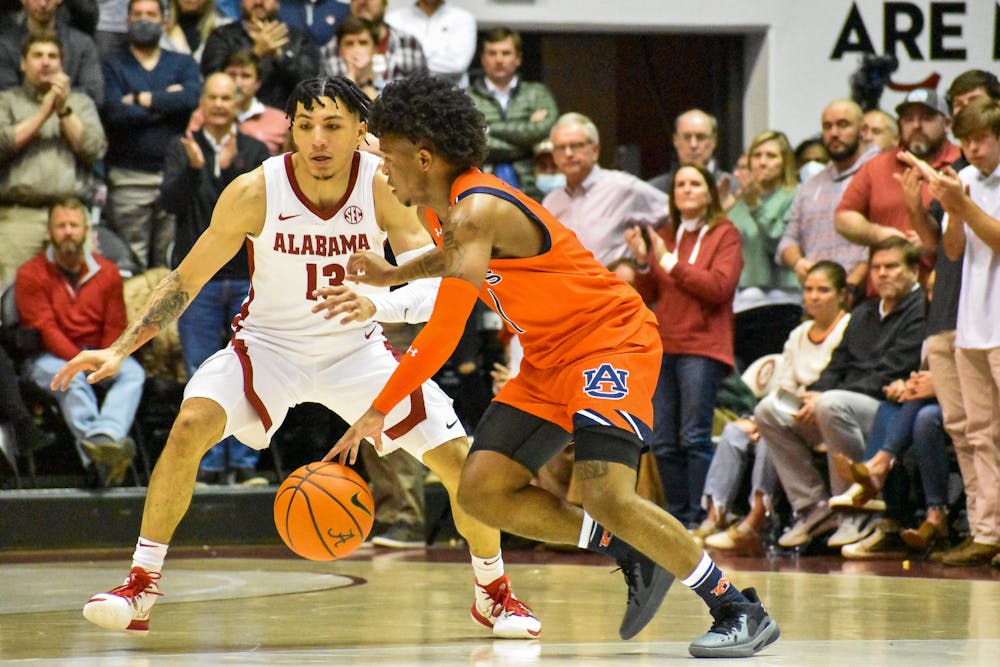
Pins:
x: 309, y: 92
x: 429, y: 110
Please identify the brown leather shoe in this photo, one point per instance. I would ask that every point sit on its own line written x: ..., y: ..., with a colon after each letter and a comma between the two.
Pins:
x: 937, y: 556
x: 924, y: 537
x: 976, y: 553
x: 738, y: 540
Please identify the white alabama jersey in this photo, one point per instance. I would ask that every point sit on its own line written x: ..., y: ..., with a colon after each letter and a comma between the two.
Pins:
x: 301, y: 248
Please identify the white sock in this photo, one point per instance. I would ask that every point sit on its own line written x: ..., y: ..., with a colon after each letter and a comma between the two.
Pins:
x: 586, y: 531
x: 487, y: 570
x: 149, y: 555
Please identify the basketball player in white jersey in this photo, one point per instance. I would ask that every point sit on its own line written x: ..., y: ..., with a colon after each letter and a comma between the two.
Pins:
x: 301, y: 215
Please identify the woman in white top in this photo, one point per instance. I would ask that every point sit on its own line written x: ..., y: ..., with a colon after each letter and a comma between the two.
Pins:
x: 806, y: 353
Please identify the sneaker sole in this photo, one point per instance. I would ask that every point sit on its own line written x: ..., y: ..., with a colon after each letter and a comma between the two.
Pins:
x: 765, y: 636
x: 104, y: 613
x: 508, y: 631
x: 662, y: 581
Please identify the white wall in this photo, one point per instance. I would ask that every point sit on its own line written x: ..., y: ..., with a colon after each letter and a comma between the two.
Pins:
x: 800, y: 75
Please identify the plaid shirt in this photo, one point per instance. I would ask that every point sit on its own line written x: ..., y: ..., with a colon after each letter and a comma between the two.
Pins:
x: 403, y: 55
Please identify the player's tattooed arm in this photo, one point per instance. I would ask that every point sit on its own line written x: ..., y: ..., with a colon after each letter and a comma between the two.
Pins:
x: 592, y: 469
x: 166, y: 303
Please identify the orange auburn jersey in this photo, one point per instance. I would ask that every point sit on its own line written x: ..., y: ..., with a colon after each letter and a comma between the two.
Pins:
x: 561, y: 303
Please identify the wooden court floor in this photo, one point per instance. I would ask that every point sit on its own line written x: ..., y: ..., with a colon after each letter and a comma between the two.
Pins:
x: 382, y: 607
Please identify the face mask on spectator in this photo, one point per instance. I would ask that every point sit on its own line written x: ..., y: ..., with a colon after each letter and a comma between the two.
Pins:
x: 144, y: 33
x: 549, y: 182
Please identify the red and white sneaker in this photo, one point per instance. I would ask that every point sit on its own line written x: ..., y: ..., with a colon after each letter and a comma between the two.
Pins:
x: 498, y: 608
x: 126, y: 607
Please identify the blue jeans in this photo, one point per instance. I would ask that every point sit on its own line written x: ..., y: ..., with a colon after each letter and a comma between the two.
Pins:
x: 896, y: 428
x: 84, y: 416
x: 683, y: 408
x: 204, y: 329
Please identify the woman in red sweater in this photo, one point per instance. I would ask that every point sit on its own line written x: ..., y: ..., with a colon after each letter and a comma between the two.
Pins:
x: 691, y: 270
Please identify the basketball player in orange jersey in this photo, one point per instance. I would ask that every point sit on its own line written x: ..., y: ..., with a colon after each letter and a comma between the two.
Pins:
x: 591, y: 356
x: 301, y: 215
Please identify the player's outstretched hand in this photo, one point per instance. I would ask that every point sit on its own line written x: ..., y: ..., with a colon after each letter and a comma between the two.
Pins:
x: 370, y: 268
x: 342, y: 300
x: 104, y: 363
x: 369, y: 426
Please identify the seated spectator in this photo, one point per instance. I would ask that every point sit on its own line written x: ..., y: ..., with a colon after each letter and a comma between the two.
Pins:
x: 50, y: 138
x: 265, y: 124
x: 909, y: 417
x: 518, y: 113
x: 768, y: 297
x: 80, y: 61
x: 881, y: 343
x: 317, y: 18
x: 879, y: 129
x: 286, y: 55
x: 74, y: 298
x: 14, y: 412
x: 189, y: 23
x: 689, y: 269
x: 198, y: 167
x: 597, y: 204
x: 446, y: 31
x: 807, y: 352
x: 151, y: 94
x: 397, y: 52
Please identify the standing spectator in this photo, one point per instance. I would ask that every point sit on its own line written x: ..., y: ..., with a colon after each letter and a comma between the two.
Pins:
x: 397, y: 52
x: 286, y: 55
x: 695, y: 136
x: 356, y: 55
x: 74, y: 298
x: 880, y: 345
x: 110, y: 35
x: 151, y: 94
x: 80, y: 61
x: 810, y: 235
x: 197, y: 169
x: 873, y: 206
x: 317, y: 18
x: 971, y: 200
x: 518, y: 113
x: 879, y: 129
x: 265, y: 124
x: 597, y: 204
x: 690, y: 269
x: 447, y: 33
x: 189, y: 23
x: 50, y: 138
x: 768, y: 299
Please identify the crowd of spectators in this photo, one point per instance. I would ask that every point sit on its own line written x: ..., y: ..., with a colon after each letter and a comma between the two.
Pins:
x: 143, y: 111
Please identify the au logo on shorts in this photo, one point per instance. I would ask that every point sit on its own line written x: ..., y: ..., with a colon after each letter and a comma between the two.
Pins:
x: 605, y: 381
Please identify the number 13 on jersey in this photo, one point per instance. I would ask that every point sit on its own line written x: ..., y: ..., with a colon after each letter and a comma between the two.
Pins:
x: 332, y: 275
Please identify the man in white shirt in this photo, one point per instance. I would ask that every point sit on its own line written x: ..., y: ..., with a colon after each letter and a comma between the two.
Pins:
x: 447, y: 33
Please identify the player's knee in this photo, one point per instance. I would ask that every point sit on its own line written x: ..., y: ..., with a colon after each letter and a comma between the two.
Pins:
x: 198, y: 426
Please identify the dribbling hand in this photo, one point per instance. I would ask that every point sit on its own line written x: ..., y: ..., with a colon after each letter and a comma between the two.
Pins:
x: 368, y: 427
x: 104, y: 363
x: 369, y: 268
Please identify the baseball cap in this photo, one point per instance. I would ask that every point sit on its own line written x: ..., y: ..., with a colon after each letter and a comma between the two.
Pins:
x: 929, y: 98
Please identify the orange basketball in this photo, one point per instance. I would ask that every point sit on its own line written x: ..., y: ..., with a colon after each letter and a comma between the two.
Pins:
x: 324, y: 511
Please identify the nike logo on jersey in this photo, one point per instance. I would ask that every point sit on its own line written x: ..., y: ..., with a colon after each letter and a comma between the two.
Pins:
x: 448, y: 426
x: 368, y: 334
x: 282, y: 216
